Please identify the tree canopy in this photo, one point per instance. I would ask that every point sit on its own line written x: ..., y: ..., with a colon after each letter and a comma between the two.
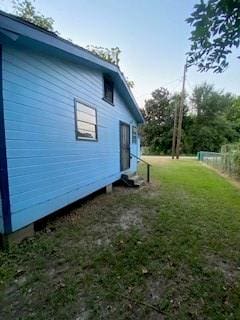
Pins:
x: 110, y: 55
x: 159, y: 115
x: 214, y: 120
x: 216, y: 31
x: 27, y: 11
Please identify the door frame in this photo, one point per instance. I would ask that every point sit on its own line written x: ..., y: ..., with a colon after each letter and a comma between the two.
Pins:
x: 122, y: 123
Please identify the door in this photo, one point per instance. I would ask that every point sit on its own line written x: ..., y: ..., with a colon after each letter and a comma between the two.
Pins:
x: 124, y: 146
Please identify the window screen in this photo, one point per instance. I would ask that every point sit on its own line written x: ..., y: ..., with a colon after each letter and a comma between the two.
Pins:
x: 134, y: 134
x: 86, y: 122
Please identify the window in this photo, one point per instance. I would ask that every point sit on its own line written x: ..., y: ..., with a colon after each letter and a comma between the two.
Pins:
x: 134, y: 134
x: 86, y: 122
x: 108, y: 90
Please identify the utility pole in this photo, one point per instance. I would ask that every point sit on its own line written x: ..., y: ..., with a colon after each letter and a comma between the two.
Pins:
x: 174, y: 131
x: 180, y: 118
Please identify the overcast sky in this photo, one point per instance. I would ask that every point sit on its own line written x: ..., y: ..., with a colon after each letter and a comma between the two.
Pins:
x: 152, y: 35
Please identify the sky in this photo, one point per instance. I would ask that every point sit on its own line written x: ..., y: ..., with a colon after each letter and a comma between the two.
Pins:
x: 152, y: 35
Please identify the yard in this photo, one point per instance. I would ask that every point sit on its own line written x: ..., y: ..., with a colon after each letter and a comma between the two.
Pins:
x: 167, y: 251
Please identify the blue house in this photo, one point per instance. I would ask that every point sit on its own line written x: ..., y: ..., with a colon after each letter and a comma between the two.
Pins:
x: 68, y: 123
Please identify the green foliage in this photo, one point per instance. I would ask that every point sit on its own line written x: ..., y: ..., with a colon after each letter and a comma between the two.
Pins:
x: 227, y: 161
x: 216, y: 30
x: 130, y: 83
x: 27, y: 11
x: 208, y: 103
x: 159, y: 114
x: 110, y: 55
x: 233, y: 114
x: 210, y: 128
x: 231, y: 159
x: 214, y: 121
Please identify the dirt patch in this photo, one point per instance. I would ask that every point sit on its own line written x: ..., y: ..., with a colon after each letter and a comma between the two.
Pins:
x: 103, y: 242
x: 89, y: 227
x: 151, y: 190
x: 85, y: 314
x: 155, y: 290
x: 132, y: 218
x: 103, y: 216
x: 155, y: 316
x: 230, y: 271
x: 126, y: 190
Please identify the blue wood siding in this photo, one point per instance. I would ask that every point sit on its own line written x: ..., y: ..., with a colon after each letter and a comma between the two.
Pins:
x: 48, y: 168
x: 1, y: 216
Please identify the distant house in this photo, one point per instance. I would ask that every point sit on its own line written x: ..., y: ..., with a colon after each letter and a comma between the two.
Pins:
x: 68, y: 123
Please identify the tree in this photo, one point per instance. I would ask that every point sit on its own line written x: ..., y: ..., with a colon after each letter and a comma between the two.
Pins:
x: 210, y: 127
x: 208, y: 102
x: 110, y: 55
x: 26, y: 10
x: 159, y: 115
x: 216, y: 30
x: 214, y: 121
x: 130, y: 83
x: 233, y: 114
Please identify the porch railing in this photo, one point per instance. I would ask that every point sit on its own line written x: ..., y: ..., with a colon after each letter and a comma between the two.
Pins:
x: 146, y: 163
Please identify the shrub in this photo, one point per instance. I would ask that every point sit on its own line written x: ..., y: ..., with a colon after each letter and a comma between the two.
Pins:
x: 231, y: 159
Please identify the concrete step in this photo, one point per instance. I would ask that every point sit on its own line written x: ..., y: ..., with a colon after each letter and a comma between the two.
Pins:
x: 139, y: 183
x: 129, y: 174
x: 133, y: 180
x: 136, y: 179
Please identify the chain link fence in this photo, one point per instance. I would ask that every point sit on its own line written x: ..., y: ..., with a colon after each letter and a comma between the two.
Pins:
x: 227, y: 161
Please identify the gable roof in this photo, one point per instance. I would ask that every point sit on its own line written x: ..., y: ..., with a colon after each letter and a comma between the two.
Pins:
x: 23, y: 32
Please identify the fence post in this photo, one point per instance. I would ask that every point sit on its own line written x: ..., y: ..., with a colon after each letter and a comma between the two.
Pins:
x: 148, y: 173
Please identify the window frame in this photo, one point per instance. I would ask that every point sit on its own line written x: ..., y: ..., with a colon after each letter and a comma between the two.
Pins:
x: 76, y: 101
x: 109, y: 80
x: 136, y: 134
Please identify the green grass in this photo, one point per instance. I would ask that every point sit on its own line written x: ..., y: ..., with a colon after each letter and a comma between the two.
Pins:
x: 168, y: 251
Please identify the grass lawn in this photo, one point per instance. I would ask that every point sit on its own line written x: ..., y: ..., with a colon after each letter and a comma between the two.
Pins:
x: 167, y: 251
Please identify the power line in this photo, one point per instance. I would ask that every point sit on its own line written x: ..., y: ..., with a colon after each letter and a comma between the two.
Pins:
x: 164, y: 84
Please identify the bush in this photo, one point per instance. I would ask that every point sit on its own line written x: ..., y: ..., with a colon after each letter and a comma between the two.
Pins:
x: 231, y: 159
x: 150, y: 151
